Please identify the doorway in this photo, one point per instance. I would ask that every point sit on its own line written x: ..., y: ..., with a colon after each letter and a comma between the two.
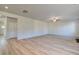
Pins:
x: 11, y: 27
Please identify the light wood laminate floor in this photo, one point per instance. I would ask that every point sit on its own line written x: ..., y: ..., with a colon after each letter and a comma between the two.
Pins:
x: 44, y: 45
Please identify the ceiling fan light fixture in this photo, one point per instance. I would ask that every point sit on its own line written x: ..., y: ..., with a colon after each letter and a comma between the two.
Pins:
x: 54, y: 18
x: 6, y: 7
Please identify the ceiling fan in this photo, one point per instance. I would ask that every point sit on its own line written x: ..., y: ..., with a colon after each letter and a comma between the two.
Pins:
x: 54, y: 19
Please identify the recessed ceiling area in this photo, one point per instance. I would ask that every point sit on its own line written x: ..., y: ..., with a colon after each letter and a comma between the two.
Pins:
x: 44, y: 11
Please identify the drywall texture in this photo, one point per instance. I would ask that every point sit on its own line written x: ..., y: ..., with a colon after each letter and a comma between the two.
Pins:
x: 11, y: 27
x: 77, y: 28
x: 27, y: 27
x: 30, y: 28
x: 2, y: 31
x: 64, y: 28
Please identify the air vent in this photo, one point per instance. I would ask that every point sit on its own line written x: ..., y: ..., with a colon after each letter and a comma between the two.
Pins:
x: 25, y: 11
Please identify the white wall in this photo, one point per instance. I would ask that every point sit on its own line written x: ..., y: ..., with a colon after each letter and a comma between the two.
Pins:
x: 64, y: 28
x: 77, y: 28
x: 28, y: 27
x: 11, y: 27
x: 2, y: 37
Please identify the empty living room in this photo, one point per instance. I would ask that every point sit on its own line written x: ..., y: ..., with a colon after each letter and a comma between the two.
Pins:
x: 39, y: 29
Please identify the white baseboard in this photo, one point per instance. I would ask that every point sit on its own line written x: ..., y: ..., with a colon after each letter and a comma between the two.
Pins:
x: 12, y: 38
x: 33, y: 37
x: 63, y: 36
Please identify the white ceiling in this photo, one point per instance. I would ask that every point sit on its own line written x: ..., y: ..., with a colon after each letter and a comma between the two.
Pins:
x: 44, y: 11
